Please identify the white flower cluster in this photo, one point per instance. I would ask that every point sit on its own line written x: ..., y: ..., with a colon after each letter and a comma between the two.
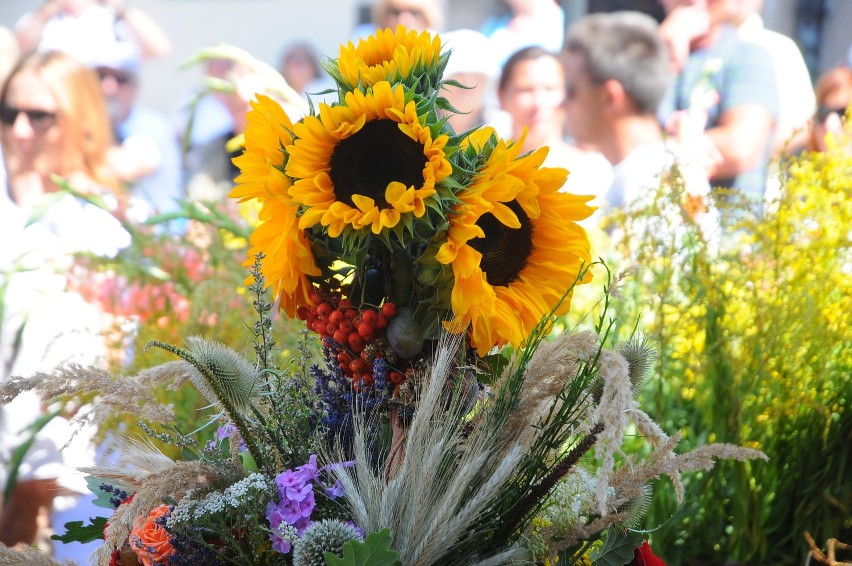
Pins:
x: 571, y: 500
x: 244, y: 493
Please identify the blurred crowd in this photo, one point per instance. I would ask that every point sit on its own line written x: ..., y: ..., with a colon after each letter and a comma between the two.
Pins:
x: 618, y: 97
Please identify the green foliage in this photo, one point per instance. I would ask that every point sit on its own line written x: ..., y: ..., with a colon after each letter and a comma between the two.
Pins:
x: 76, y: 531
x: 375, y: 550
x: 177, y: 279
x: 755, y: 348
x: 617, y: 547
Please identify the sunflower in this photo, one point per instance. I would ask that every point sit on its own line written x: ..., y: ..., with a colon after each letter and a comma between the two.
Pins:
x: 367, y: 165
x: 389, y: 56
x: 288, y: 258
x: 513, y: 245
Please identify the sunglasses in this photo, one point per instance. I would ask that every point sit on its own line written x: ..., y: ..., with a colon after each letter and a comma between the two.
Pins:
x: 824, y: 112
x: 40, y: 120
x: 397, y: 12
x: 121, y: 77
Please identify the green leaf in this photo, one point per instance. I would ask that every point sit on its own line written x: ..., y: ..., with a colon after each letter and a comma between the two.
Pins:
x: 617, y: 549
x: 102, y: 498
x: 375, y: 550
x: 496, y: 364
x: 76, y: 531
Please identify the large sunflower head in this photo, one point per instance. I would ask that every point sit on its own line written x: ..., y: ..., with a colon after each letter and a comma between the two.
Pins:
x: 289, y: 261
x: 401, y: 55
x: 513, y: 244
x: 369, y: 166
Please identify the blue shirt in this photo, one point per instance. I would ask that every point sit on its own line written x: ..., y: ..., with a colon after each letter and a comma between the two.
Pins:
x: 741, y: 73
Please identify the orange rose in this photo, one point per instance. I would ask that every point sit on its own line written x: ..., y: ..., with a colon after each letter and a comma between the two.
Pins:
x: 149, y: 538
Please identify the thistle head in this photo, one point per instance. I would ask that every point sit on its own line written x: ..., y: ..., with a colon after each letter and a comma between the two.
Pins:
x: 328, y: 535
x: 640, y: 354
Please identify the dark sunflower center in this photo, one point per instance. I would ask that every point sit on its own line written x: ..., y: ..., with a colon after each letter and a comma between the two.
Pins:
x: 379, y: 153
x: 504, y: 250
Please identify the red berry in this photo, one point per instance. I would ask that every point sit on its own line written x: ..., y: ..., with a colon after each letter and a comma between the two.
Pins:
x: 341, y: 336
x: 346, y: 326
x: 315, y: 297
x: 324, y: 309
x: 318, y: 326
x: 344, y: 357
x: 389, y: 309
x: 365, y: 329
x: 356, y: 342
x: 302, y: 313
x: 369, y: 316
x: 396, y: 377
x: 367, y: 379
x: 335, y: 316
x: 344, y: 303
x: 350, y: 314
x: 382, y: 321
x: 331, y: 328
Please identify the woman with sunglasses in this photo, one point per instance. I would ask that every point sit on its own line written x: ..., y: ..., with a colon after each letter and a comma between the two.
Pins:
x: 833, y: 96
x: 53, y: 121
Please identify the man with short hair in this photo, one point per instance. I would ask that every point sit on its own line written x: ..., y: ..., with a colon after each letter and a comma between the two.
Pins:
x: 618, y: 72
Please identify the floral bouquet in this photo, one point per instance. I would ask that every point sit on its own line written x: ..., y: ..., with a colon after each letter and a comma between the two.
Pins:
x: 437, y: 422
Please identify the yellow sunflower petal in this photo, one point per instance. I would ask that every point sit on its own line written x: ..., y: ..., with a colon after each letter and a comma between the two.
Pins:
x: 366, y: 154
x: 528, y: 216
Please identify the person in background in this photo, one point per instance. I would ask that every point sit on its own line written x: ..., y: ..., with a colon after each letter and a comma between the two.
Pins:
x: 81, y: 27
x: 417, y: 15
x: 724, y: 96
x: 793, y: 80
x: 470, y: 64
x: 527, y: 23
x: 532, y: 92
x: 300, y: 66
x: 209, y: 168
x: 618, y: 73
x: 833, y: 98
x: 147, y: 156
x: 53, y: 121
x: 9, y: 52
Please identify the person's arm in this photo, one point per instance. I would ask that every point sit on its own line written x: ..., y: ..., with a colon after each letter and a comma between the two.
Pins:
x: 153, y: 40
x: 30, y: 27
x: 741, y: 138
x: 679, y: 28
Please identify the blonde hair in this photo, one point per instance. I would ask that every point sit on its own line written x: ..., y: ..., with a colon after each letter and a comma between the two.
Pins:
x: 430, y: 9
x: 82, y: 113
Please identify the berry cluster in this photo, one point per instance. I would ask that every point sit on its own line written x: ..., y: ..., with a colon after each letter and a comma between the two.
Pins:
x: 357, y: 335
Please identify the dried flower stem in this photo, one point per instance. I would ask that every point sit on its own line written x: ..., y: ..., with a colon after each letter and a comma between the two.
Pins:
x: 540, y: 490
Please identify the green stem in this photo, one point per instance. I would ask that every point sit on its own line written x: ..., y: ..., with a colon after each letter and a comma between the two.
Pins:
x: 230, y: 410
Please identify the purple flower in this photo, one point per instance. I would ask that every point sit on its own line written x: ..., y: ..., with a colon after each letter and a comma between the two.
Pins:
x: 275, y: 518
x: 225, y: 431
x: 334, y: 491
x: 298, y: 513
x: 279, y: 544
x: 298, y: 493
x: 309, y: 471
x: 228, y: 430
x: 288, y: 479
